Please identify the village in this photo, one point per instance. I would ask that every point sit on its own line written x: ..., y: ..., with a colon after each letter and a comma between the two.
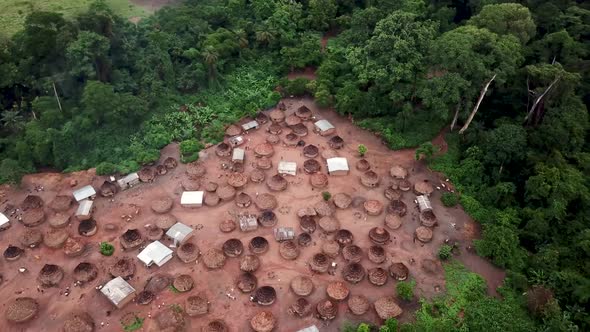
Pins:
x: 284, y: 226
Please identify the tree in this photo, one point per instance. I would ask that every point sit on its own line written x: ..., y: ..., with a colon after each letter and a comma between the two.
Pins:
x: 321, y: 13
x: 88, y: 56
x: 405, y: 289
x: 506, y: 19
x: 362, y: 150
x: 425, y: 151
x: 505, y: 144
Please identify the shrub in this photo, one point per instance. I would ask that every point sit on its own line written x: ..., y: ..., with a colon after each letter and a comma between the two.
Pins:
x: 106, y: 168
x: 296, y: 87
x: 135, y: 325
x: 362, y: 150
x: 363, y: 327
x: 326, y: 195
x: 127, y: 166
x: 390, y: 325
x: 425, y: 151
x: 405, y: 289
x: 445, y: 252
x: 106, y: 249
x: 189, y: 150
x: 449, y: 199
x: 11, y: 171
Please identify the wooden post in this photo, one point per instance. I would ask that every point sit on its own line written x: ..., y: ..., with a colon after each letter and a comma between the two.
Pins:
x: 481, y: 95
x: 56, y: 97
x: 538, y: 100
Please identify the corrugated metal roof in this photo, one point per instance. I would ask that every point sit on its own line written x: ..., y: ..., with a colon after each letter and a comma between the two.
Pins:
x: 323, y: 125
x: 179, y: 232
x: 192, y: 198
x: 128, y: 179
x: 312, y: 328
x: 337, y: 164
x: 424, y: 203
x: 84, y: 193
x: 250, y: 125
x: 284, y: 233
x: 236, y: 140
x: 287, y: 167
x: 248, y: 223
x: 3, y: 219
x: 84, y: 208
x: 155, y: 252
x: 117, y: 290
x: 238, y: 154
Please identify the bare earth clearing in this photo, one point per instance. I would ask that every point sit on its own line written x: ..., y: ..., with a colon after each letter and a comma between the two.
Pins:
x: 135, y: 205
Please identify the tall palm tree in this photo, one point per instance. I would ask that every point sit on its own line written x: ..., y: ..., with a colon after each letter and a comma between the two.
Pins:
x: 211, y: 56
x: 12, y: 120
x: 264, y: 37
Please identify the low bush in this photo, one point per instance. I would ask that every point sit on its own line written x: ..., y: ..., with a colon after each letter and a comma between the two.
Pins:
x: 449, y: 199
x: 445, y: 252
x: 326, y: 195
x: 106, y: 249
x: 405, y: 290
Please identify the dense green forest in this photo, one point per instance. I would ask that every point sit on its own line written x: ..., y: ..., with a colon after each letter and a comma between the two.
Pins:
x: 510, y: 81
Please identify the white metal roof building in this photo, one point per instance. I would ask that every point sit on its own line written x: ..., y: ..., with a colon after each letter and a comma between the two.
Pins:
x: 192, y: 199
x: 250, y: 125
x: 84, y: 193
x: 287, y: 167
x: 128, y: 181
x: 324, y: 127
x: 424, y: 203
x: 179, y: 233
x: 155, y: 253
x: 284, y: 233
x: 236, y: 140
x: 238, y: 155
x: 248, y: 222
x: 118, y: 291
x: 312, y: 328
x: 84, y: 209
x: 4, y: 221
x: 337, y: 166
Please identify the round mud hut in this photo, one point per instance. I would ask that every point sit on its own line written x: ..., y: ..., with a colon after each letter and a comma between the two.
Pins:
x: 227, y: 226
x: 147, y: 174
x: 257, y: 176
x: 183, y: 283
x: 30, y: 238
x: 188, y: 252
x: 329, y: 224
x: 249, y: 263
x: 191, y: 184
x: 213, y: 259
x: 31, y: 202
x: 266, y: 202
x: 377, y: 276
x: 233, y: 130
x: 123, y: 267
x: 273, y: 139
x: 307, y: 224
x: 275, y: 129
x: 55, y: 238
x: 74, y: 246
x: 277, y: 116
x: 144, y: 297
x: 154, y: 233
x: 21, y: 309
x: 291, y: 139
x: 311, y: 166
x: 217, y: 325
x: 264, y: 150
x: 211, y: 199
x: 373, y: 207
x: 302, y: 285
x: 337, y: 290
x: 398, y: 172
x: 131, y: 239
x: 226, y: 192
x: 342, y: 200
x: 353, y: 273
x: 336, y: 142
x: 196, y: 305
x: 277, y: 183
x: 107, y: 189
x: 33, y: 217
x: 258, y: 245
x: 261, y: 118
x: 327, y: 310
x: 63, y: 203
x: 87, y: 227
x: 311, y: 151
x: 423, y: 188
x: 392, y: 194
x: 404, y: 185
x: 13, y: 253
x: 265, y: 295
x: 292, y: 120
x: 300, y: 308
x: 233, y: 248
x: 318, y: 180
x: 59, y: 220
x: 398, y: 208
x: 304, y: 113
x: 268, y: 218
x: 161, y: 169
x: 78, y: 322
x: 379, y: 235
x: 428, y: 219
x: 263, y: 321
x: 211, y: 186
x: 331, y: 248
x: 399, y: 271
x: 363, y: 165
x: 263, y: 163
x: 304, y: 239
x: 358, y: 304
x: 300, y: 130
x: 162, y: 205
x: 386, y: 307
x: 243, y: 200
x: 323, y: 208
x: 376, y: 254
x: 320, y: 263
x: 393, y: 221
x: 246, y: 282
x: 423, y: 234
x: 289, y: 250
x: 352, y: 253
x: 344, y: 237
x: 50, y: 275
x: 223, y: 150
x: 164, y: 221
x: 85, y: 272
x: 170, y: 163
x: 370, y: 179
x: 195, y: 170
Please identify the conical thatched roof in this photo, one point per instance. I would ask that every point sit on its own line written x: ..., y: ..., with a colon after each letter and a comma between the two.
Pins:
x: 300, y: 129
x: 217, y: 325
x: 164, y: 221
x: 377, y: 276
x: 311, y: 166
x: 21, y: 309
x: 30, y: 238
x: 261, y: 118
x: 50, y: 275
x: 33, y: 217
x: 195, y: 170
x: 78, y: 322
x: 308, y: 224
x: 320, y: 263
x: 233, y: 130
x: 227, y: 226
x: 258, y: 245
x: 379, y: 235
x: 162, y: 205
x: 265, y: 295
x: 257, y: 176
x: 211, y: 199
x: 289, y: 250
x: 223, y: 150
x: 131, y: 239
x: 246, y: 282
x: 243, y: 200
x: 311, y: 151
x: 404, y: 185
x: 123, y: 267
x: 423, y: 234
x: 326, y: 309
x: 342, y: 200
x: 337, y: 290
x: 370, y: 179
x: 249, y: 263
x: 226, y: 192
x: 397, y: 207
x: 304, y: 239
x: 273, y: 139
x: 263, y: 163
x: 59, y: 220
x: 233, y: 248
x: 363, y: 165
x: 144, y: 297
x: 154, y: 233
x: 87, y: 227
x: 266, y: 202
x: 353, y: 273
x: 373, y: 207
x: 323, y: 208
x: 336, y: 142
x: 107, y: 189
x: 318, y: 180
x: 85, y: 272
x: 386, y: 307
x: 277, y: 116
x: 423, y: 188
x: 304, y: 113
x: 74, y: 246
x: 399, y: 271
x: 214, y: 258
x: 352, y: 253
x: 63, y: 202
x: 188, y: 252
x: 329, y: 224
x: 393, y: 221
x: 358, y: 304
x: 148, y: 174
x: 264, y: 150
x: 275, y: 129
x: 263, y: 321
x: 292, y: 120
x: 331, y: 248
x: 392, y: 194
x: 291, y: 139
x: 277, y: 183
x: 377, y: 254
x: 170, y: 163
x: 398, y: 172
x: 428, y: 219
x: 31, y: 202
x: 300, y: 308
x: 211, y: 186
x: 183, y: 283
x: 196, y: 305
x: 268, y: 218
x: 302, y: 285
x: 344, y: 237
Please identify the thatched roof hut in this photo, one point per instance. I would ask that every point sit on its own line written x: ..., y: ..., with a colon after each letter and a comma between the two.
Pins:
x: 31, y: 202
x: 188, y: 252
x: 257, y: 176
x: 307, y: 224
x: 264, y: 150
x: 311, y: 166
x: 302, y: 285
x: 249, y: 263
x: 263, y: 163
x: 352, y: 253
x: 300, y: 308
x: 393, y: 221
x: 183, y: 283
x: 304, y: 239
x: 59, y: 220
x: 74, y: 246
x: 327, y: 310
x: 212, y: 199
x: 399, y: 271
x: 423, y: 188
x: 363, y: 165
x: 162, y: 205
x: 370, y: 179
x: 164, y: 221
x: 21, y: 309
x: 147, y: 174
x: 292, y: 120
x: 320, y: 262
x: 428, y: 218
x: 196, y: 305
x: 304, y: 113
x: 85, y: 272
x: 373, y: 207
x: 423, y: 234
x: 268, y: 218
x: 336, y: 142
x: 64, y: 202
x: 233, y: 248
x: 289, y: 250
x: 154, y: 233
x: 144, y: 297
x: 124, y: 267
x: 404, y: 185
x: 263, y: 321
x: 227, y: 226
x: 170, y: 163
x: 275, y: 129
x: 216, y: 325
x: 246, y: 282
x: 311, y: 151
x: 377, y: 276
x: 195, y: 170
x: 379, y: 235
x: 273, y: 139
x: 377, y: 254
x: 161, y: 170
x: 386, y: 307
x: 318, y: 180
x: 331, y: 248
x: 258, y: 245
x: 33, y: 217
x: 329, y: 224
x: 397, y: 207
x: 261, y: 118
x: 266, y: 201
x: 30, y: 238
x: 190, y: 184
x: 13, y: 253
x: 226, y: 192
x: 323, y: 208
x: 277, y: 116
x: 131, y: 239
x: 265, y: 295
x: 308, y: 211
x: 243, y: 200
x: 233, y: 130
x: 87, y: 227
x: 353, y: 273
x: 277, y: 183
x: 78, y: 322
x: 107, y: 189
x: 211, y: 186
x: 358, y: 304
x: 344, y: 237
x: 398, y: 172
x: 291, y: 139
x: 392, y: 194
x: 300, y: 129
x: 342, y: 200
x: 223, y: 150
x: 214, y: 258
x: 337, y: 290
x: 50, y: 275
x: 158, y: 283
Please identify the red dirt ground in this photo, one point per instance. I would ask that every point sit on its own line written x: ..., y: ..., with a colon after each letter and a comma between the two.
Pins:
x: 275, y: 271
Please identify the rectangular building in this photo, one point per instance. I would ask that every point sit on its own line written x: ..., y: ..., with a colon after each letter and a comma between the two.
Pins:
x: 250, y: 125
x: 192, y: 199
x: 118, y: 292
x: 180, y: 233
x: 248, y: 222
x: 337, y: 166
x: 4, y: 221
x: 424, y: 203
x: 85, y: 209
x: 324, y: 127
x: 86, y: 192
x: 284, y: 233
x: 238, y: 155
x: 287, y: 167
x: 155, y: 253
x: 236, y: 140
x: 128, y: 181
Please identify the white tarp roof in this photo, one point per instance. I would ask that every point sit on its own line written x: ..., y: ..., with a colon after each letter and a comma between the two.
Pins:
x: 117, y: 290
x: 250, y: 125
x: 287, y: 167
x: 84, y: 208
x: 236, y: 140
x: 178, y: 232
x: 337, y: 164
x: 84, y: 193
x: 423, y: 203
x: 238, y: 154
x: 191, y: 198
x: 3, y: 219
x: 312, y: 328
x: 324, y: 125
x: 129, y: 178
x: 155, y: 252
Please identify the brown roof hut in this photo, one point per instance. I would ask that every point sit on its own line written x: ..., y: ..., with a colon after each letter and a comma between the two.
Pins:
x: 386, y: 307
x: 107, y: 189
x: 59, y: 220
x: 246, y: 282
x: 263, y: 321
x: 12, y: 253
x: 258, y: 245
x: 162, y: 205
x: 352, y: 253
x: 161, y: 170
x: 233, y: 248
x: 358, y: 304
x: 233, y: 130
x: 363, y: 165
x: 373, y: 207
x: 196, y: 305
x: 311, y: 166
x: 263, y: 163
x: 124, y: 267
x: 323, y: 208
x: 264, y: 150
x: 304, y: 113
x: 55, y: 237
x: 223, y: 150
x: 329, y: 153
x: 87, y: 227
x: 398, y: 172
x: 243, y: 200
x: 392, y: 194
x: 211, y: 199
x: 21, y: 309
x: 399, y: 271
x: 379, y: 235
x: 195, y: 170
x: 164, y: 221
x: 370, y: 179
x: 397, y: 207
x: 307, y: 224
x: 311, y: 151
x: 344, y: 237
x: 329, y: 224
x: 291, y: 139
x: 74, y: 246
x: 304, y: 239
x: 261, y: 118
x: 249, y: 263
x: 170, y: 163
x: 216, y: 325
x: 78, y: 322
x: 275, y: 129
x: 154, y: 233
x: 62, y: 202
x: 404, y: 185
x: 423, y: 188
x: 144, y: 297
x: 277, y: 183
x: 265, y: 295
x: 131, y: 239
x: 227, y: 192
x: 336, y: 142
x: 227, y: 226
x: 292, y: 120
x: 50, y: 275
x: 331, y: 248
x: 342, y: 200
x: 320, y: 263
x: 266, y: 202
x: 289, y: 250
x: 188, y: 252
x: 183, y: 283
x: 257, y: 176
x: 302, y: 285
x: 327, y: 310
x: 300, y: 308
x: 428, y: 218
x: 268, y: 218
x: 318, y: 180
x: 277, y: 116
x: 30, y: 238
x: 33, y: 217
x: 353, y: 273
x: 273, y: 139
x: 31, y: 202
x: 214, y: 258
x: 377, y: 276
x: 337, y: 290
x: 85, y: 272
x: 191, y: 184
x: 148, y: 174
x: 300, y: 129
x: 376, y: 254
x: 423, y: 234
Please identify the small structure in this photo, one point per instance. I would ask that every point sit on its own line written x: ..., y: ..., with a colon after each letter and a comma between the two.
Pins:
x: 424, y: 203
x: 128, y: 181
x: 118, y: 291
x: 288, y: 167
x: 312, y: 328
x: 192, y: 199
x: 248, y: 222
x: 84, y: 210
x: 338, y: 166
x: 4, y: 221
x: 236, y: 140
x: 324, y: 127
x: 250, y: 125
x: 86, y: 192
x: 179, y: 233
x: 155, y: 252
x: 284, y: 233
x: 238, y: 156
